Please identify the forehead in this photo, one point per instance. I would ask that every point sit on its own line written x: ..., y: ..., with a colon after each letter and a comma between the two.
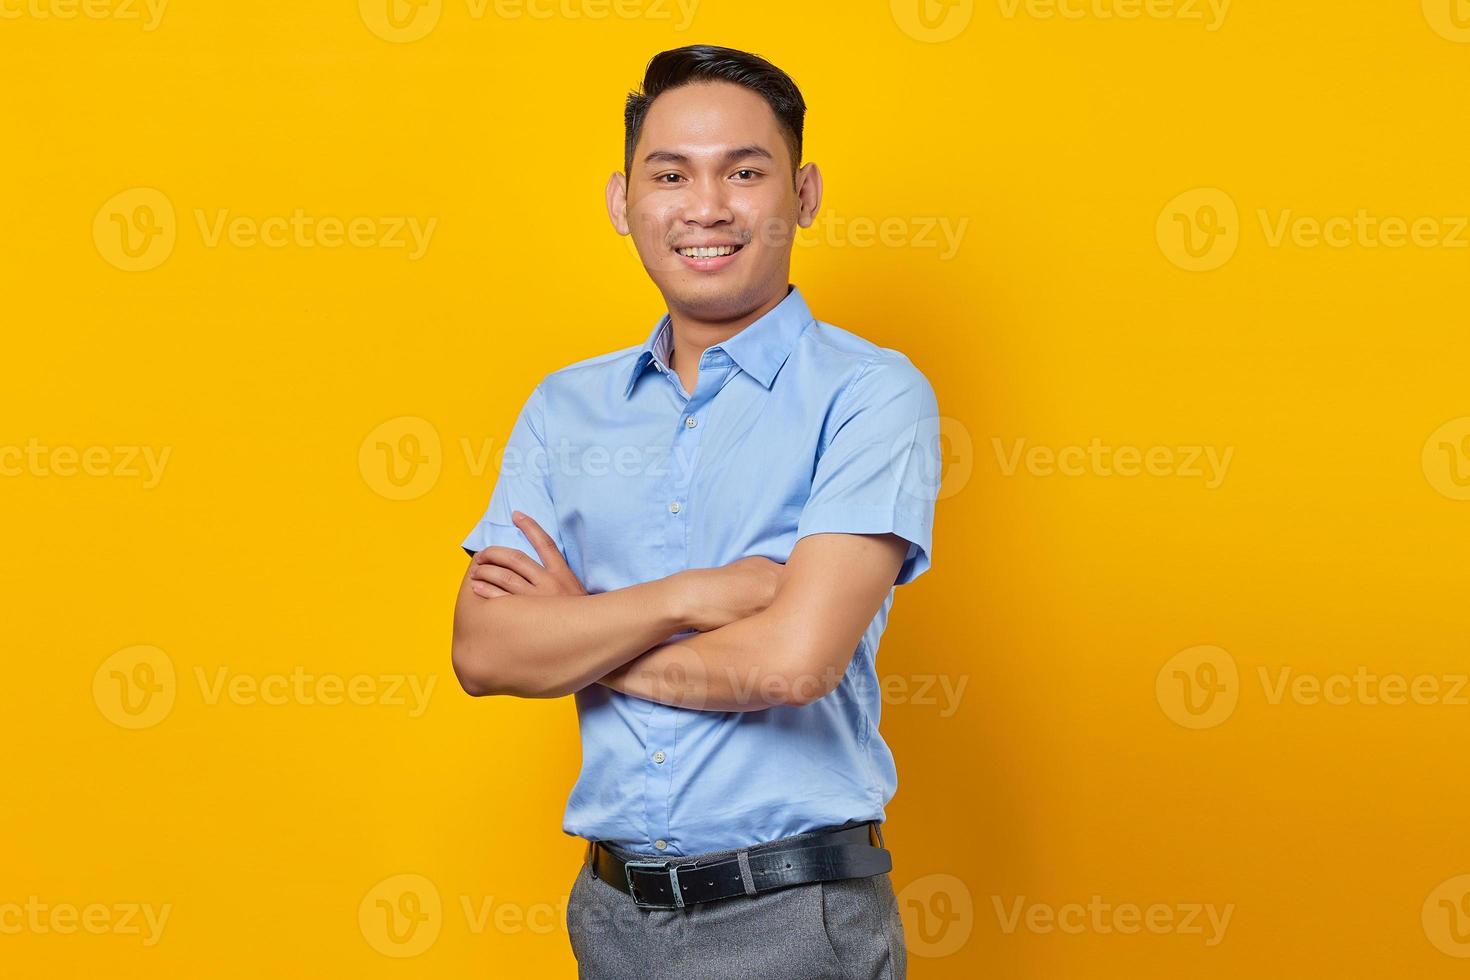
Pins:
x: 703, y: 118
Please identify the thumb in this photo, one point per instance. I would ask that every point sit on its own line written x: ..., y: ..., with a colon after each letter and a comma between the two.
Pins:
x: 551, y: 558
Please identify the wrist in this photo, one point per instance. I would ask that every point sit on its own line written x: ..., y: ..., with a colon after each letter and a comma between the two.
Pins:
x: 676, y: 598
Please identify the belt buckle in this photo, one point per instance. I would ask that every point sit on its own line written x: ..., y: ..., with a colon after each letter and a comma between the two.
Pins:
x: 673, y: 870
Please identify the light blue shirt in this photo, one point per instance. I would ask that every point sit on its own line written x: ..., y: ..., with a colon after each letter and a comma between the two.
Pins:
x: 794, y: 427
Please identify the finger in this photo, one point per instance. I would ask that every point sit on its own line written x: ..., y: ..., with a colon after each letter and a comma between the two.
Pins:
x: 516, y: 561
x: 486, y: 590
x: 498, y: 575
x: 551, y: 558
x: 502, y: 578
x: 540, y: 540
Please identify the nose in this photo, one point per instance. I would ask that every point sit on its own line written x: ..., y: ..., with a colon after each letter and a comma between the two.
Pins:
x: 707, y: 203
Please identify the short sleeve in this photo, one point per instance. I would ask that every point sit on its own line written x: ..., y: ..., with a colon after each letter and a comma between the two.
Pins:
x: 880, y: 469
x: 523, y: 484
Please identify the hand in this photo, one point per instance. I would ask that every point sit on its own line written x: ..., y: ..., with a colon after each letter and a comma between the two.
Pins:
x: 498, y: 571
x: 716, y: 597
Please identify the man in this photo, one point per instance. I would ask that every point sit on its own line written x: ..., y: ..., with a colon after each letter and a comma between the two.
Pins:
x: 719, y: 518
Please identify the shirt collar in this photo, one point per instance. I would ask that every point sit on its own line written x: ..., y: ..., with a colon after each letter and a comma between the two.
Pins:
x: 760, y: 349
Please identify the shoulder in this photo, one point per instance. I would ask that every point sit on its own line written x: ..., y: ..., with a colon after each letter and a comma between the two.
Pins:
x: 866, y: 370
x: 581, y: 371
x: 585, y: 385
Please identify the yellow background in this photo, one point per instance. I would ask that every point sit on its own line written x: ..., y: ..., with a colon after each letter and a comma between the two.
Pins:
x: 1071, y: 766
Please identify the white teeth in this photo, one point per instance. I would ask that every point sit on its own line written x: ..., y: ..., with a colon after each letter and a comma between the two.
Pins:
x: 707, y: 253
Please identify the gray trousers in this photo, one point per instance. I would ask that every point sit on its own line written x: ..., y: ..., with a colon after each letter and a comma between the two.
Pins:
x: 822, y: 930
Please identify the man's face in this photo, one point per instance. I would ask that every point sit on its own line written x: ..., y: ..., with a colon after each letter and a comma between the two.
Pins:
x: 712, y: 171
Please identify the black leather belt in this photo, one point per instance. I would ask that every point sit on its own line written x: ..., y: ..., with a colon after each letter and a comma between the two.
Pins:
x: 670, y: 883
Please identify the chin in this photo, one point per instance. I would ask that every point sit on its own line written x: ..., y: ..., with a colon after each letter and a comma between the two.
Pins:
x: 712, y: 301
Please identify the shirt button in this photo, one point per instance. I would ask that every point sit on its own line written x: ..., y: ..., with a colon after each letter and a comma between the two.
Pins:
x: 660, y: 844
x: 690, y: 422
x: 674, y: 507
x: 658, y: 757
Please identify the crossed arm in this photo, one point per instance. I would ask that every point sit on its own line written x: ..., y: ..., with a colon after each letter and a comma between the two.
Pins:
x: 767, y: 635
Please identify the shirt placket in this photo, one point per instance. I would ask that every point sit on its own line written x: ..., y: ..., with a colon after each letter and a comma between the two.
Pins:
x: 661, y: 738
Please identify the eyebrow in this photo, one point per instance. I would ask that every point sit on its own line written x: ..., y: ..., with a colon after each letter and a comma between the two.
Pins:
x: 738, y: 153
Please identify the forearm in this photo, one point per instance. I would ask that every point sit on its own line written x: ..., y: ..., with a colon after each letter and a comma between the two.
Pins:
x: 748, y: 665
x: 548, y: 646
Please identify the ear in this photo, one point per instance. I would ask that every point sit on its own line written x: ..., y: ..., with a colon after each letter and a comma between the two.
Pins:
x: 808, y: 194
x: 617, y: 201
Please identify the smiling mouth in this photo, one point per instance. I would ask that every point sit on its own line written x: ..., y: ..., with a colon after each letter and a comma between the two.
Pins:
x: 709, y: 251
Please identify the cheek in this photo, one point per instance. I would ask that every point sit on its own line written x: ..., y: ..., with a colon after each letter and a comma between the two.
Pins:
x: 647, y: 226
x: 771, y: 229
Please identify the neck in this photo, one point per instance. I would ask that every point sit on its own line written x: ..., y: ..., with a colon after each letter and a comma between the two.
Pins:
x: 693, y: 335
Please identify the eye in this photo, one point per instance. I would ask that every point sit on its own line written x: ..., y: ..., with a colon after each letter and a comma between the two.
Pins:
x: 753, y: 173
x: 662, y: 178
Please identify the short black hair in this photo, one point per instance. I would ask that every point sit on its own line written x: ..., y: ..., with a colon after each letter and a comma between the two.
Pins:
x: 708, y: 63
